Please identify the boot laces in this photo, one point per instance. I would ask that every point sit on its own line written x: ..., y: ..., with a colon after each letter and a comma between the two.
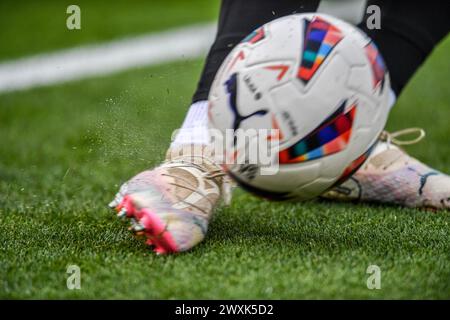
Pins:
x: 393, y: 137
x: 218, y: 175
x: 226, y: 184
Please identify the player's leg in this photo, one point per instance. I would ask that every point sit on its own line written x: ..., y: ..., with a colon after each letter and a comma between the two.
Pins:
x: 409, y: 32
x: 171, y: 205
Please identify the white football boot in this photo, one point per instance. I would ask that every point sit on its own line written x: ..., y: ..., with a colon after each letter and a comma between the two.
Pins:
x: 172, y: 204
x: 391, y: 176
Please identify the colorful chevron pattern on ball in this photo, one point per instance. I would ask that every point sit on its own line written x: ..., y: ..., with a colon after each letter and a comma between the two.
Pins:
x: 355, y: 165
x: 377, y: 63
x: 320, y: 38
x: 255, y: 36
x: 331, y: 136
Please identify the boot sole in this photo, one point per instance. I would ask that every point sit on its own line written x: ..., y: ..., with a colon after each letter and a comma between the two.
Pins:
x: 145, y: 222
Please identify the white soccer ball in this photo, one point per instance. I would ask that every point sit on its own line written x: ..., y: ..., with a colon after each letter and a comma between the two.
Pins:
x: 322, y: 83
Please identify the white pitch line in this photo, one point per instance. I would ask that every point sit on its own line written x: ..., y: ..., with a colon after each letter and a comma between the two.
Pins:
x: 88, y: 61
x: 96, y: 60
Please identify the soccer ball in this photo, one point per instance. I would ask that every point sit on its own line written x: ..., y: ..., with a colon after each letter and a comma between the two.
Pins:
x: 321, y: 84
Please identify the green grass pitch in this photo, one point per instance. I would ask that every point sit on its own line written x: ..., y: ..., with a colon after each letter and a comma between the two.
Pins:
x: 65, y: 149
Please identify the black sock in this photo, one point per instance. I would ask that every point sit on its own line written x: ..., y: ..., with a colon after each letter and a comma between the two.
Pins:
x: 409, y: 32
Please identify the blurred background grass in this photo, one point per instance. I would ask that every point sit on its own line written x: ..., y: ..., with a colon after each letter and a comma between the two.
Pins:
x: 65, y: 149
x: 30, y: 27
